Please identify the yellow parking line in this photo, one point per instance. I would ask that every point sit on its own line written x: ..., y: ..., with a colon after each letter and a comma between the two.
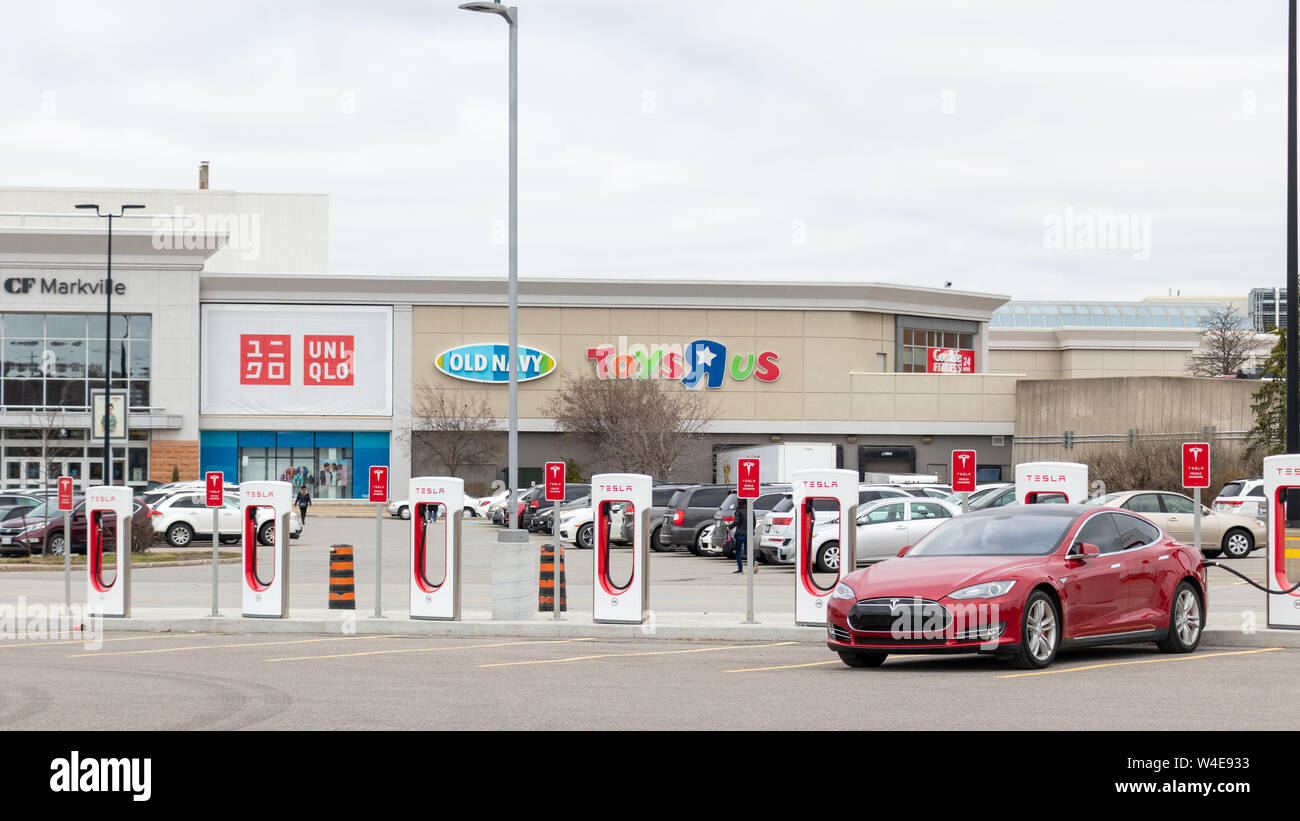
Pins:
x: 426, y: 649
x: 645, y: 653
x: 40, y: 643
x: 784, y: 667
x: 224, y: 646
x: 1192, y: 657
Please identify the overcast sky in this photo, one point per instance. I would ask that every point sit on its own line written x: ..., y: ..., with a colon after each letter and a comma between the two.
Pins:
x: 917, y: 142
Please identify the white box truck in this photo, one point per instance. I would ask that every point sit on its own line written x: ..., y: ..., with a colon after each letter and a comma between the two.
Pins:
x: 777, y: 462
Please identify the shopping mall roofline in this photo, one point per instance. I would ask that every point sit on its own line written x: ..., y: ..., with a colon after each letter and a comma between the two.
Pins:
x: 60, y: 248
x: 603, y: 292
x: 801, y: 427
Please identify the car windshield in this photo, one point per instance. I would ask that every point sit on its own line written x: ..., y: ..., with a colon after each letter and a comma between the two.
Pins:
x: 991, y: 498
x: 784, y: 505
x: 1006, y: 534
x: 39, y: 512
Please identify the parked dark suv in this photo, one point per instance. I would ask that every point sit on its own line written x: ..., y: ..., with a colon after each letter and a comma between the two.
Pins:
x: 688, y: 513
x: 535, y: 500
x: 725, y: 516
x: 660, y: 497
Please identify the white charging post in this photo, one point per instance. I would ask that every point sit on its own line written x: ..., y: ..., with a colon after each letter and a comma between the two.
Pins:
x: 107, y: 504
x: 1281, y: 478
x: 611, y: 602
x: 841, y: 487
x: 266, y: 598
x: 433, y: 496
x: 1047, y: 482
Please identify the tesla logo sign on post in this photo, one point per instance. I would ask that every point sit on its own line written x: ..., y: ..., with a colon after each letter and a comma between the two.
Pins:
x: 65, y: 493
x: 1196, y: 464
x: 747, y: 478
x: 963, y: 471
x: 555, y: 481
x: 379, y: 483
x: 212, y: 482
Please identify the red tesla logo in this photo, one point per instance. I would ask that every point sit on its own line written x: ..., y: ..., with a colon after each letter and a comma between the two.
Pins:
x: 213, y: 482
x: 379, y: 483
x: 1196, y: 464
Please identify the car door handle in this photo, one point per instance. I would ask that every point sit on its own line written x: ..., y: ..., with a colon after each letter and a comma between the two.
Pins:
x: 1115, y: 565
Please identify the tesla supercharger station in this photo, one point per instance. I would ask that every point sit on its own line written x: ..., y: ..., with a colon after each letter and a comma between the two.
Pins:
x: 266, y: 597
x: 112, y: 504
x: 432, y: 497
x: 1281, y: 475
x: 1036, y: 480
x: 610, y: 602
x: 840, y: 486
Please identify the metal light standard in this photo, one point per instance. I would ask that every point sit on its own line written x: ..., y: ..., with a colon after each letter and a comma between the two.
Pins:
x: 511, y: 16
x: 108, y: 338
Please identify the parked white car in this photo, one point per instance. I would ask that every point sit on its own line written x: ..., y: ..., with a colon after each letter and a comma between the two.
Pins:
x: 1244, y: 497
x: 884, y: 528
x: 181, y: 518
x: 401, y: 509
x: 576, y: 526
x: 776, y: 537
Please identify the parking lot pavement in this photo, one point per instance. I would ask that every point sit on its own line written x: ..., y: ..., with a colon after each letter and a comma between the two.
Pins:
x: 207, y: 681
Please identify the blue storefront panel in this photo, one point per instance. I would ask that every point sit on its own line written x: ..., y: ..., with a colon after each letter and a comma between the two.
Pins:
x: 331, y: 464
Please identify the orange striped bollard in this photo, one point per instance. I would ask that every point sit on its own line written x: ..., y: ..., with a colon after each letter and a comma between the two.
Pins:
x: 343, y: 594
x: 552, y: 561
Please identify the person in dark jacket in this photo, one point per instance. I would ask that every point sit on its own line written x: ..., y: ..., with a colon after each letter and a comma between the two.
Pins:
x: 304, y: 501
x: 740, y: 533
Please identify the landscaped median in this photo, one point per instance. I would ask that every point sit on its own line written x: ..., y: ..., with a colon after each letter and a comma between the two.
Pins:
x: 138, y: 560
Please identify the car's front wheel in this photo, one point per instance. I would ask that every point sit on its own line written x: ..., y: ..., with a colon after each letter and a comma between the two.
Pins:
x: 403, y: 512
x: 1237, y: 543
x: 860, y: 659
x: 586, y: 536
x: 1185, y: 621
x: 180, y: 535
x: 1040, y: 632
x: 469, y: 512
x: 266, y: 534
x: 828, y: 557
x: 55, y: 544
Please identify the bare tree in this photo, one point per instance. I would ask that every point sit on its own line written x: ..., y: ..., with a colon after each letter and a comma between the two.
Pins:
x: 458, y: 428
x: 1227, y: 342
x: 635, y: 425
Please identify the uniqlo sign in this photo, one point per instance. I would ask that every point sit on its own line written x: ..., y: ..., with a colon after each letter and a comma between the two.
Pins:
x: 328, y: 360
x: 555, y: 481
x: 949, y: 360
x: 379, y: 483
x: 264, y: 359
x: 963, y: 471
x: 747, y: 478
x: 296, y: 360
x: 1196, y: 464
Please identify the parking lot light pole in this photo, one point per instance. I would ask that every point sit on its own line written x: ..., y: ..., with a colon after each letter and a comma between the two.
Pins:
x: 1292, y: 267
x: 511, y: 16
x: 108, y: 337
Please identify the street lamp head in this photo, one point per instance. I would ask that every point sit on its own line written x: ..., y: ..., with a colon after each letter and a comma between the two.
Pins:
x: 491, y: 8
x: 89, y: 205
x: 125, y: 207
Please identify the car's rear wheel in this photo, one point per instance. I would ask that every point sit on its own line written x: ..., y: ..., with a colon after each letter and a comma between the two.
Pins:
x: 180, y: 534
x: 1237, y: 543
x: 828, y: 557
x: 1040, y: 632
x: 861, y: 659
x: 403, y: 512
x: 655, y: 544
x: 266, y: 534
x: 1185, y: 621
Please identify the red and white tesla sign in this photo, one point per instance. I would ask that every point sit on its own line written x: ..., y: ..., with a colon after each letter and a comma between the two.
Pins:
x: 963, y: 471
x: 555, y: 481
x: 747, y: 478
x: 65, y: 493
x: 1196, y: 464
x: 379, y: 483
x: 213, y: 484
x: 949, y: 360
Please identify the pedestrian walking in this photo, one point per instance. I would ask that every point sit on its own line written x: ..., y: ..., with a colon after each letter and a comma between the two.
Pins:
x: 740, y: 534
x: 304, y: 501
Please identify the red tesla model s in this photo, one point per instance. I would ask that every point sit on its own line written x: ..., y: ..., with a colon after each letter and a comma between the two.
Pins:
x: 1022, y: 582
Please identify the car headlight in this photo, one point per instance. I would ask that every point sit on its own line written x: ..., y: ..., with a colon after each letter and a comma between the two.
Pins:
x: 987, y: 590
x: 843, y: 591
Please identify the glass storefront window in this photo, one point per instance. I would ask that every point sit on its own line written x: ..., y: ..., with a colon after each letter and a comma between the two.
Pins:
x: 325, y: 472
x: 37, y: 348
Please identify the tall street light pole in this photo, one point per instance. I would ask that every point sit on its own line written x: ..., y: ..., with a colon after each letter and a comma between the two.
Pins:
x: 1292, y: 280
x: 108, y: 338
x: 511, y: 16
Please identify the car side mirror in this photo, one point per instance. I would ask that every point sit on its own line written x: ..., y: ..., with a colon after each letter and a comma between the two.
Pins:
x: 1084, y: 550
x: 903, y: 552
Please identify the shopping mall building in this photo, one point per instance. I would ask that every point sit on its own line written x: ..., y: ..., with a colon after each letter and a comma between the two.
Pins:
x: 234, y: 350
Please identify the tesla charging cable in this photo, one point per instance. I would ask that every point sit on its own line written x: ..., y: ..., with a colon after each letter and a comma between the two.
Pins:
x: 1252, y: 582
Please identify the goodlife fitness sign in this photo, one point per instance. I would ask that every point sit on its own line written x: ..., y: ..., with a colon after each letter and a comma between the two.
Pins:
x: 949, y: 360
x: 293, y: 360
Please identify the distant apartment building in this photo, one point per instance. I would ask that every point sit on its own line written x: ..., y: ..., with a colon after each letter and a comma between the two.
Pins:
x: 1267, y: 308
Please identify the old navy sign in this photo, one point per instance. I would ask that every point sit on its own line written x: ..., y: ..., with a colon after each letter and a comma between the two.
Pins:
x: 703, y: 362
x: 489, y: 363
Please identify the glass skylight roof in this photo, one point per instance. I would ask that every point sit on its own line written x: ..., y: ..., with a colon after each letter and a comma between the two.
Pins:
x: 1027, y: 314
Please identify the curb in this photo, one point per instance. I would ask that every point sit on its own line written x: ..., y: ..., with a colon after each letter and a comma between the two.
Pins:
x: 28, y: 568
x: 399, y: 624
